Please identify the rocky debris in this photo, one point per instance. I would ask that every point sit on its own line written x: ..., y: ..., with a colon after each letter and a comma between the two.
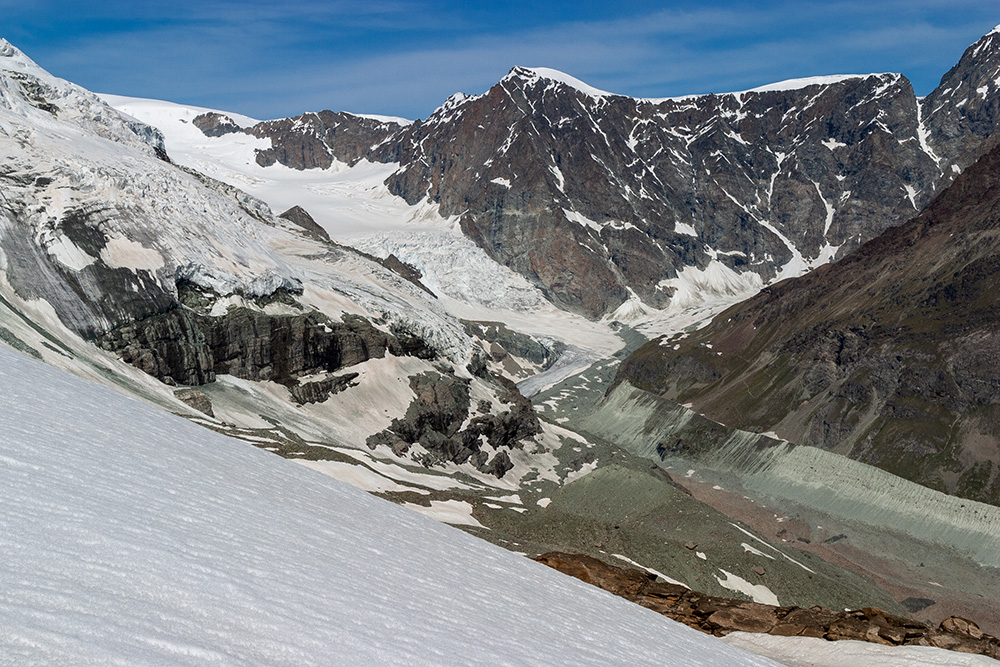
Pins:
x: 890, y: 355
x: 435, y: 419
x: 214, y: 124
x: 320, y: 390
x: 301, y: 217
x: 719, y: 616
x: 196, y: 399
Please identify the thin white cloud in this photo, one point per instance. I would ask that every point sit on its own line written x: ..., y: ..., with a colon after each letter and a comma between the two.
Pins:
x: 281, y: 59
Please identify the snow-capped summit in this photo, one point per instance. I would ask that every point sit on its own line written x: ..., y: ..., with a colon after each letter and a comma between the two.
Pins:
x: 12, y: 58
x: 531, y: 74
x: 29, y: 91
x: 797, y: 84
x: 600, y: 199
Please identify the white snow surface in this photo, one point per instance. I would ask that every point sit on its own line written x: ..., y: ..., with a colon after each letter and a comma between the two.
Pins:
x: 788, y: 84
x: 817, y: 652
x: 95, y: 157
x: 805, y: 82
x: 757, y: 592
x: 571, y: 81
x: 142, y: 539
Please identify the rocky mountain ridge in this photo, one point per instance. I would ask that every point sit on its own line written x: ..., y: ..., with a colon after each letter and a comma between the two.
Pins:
x: 611, y: 203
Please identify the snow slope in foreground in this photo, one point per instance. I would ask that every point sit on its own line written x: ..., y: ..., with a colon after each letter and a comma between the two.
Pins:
x: 129, y: 536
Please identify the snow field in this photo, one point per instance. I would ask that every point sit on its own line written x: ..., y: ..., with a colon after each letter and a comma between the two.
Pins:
x: 813, y: 652
x: 142, y: 539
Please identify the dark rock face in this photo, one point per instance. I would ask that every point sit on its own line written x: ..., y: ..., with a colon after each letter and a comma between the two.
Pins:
x: 215, y: 124
x: 182, y: 346
x: 320, y: 390
x: 962, y: 113
x: 504, y: 341
x: 405, y: 270
x: 301, y: 217
x: 315, y: 140
x: 720, y: 616
x: 891, y: 356
x: 435, y: 417
x: 96, y: 293
x: 592, y: 196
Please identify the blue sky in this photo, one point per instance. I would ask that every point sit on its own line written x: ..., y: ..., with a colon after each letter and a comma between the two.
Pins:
x: 405, y: 57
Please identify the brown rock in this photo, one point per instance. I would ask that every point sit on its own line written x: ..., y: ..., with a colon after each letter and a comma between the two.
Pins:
x: 961, y: 626
x: 196, y: 399
x: 818, y: 633
x: 945, y: 640
x: 719, y: 616
x: 815, y: 617
x: 787, y: 630
x: 893, y: 635
x: 755, y: 618
x: 215, y: 124
x: 626, y: 583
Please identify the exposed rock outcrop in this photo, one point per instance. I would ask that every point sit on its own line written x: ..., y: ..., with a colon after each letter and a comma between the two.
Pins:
x: 502, y: 342
x: 315, y: 140
x: 318, y: 391
x: 214, y: 124
x: 439, y: 419
x: 182, y: 346
x: 196, y: 399
x: 719, y: 616
x: 301, y: 217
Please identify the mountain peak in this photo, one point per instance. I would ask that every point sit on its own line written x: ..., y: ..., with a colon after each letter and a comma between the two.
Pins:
x: 7, y: 49
x: 12, y: 58
x: 533, y: 74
